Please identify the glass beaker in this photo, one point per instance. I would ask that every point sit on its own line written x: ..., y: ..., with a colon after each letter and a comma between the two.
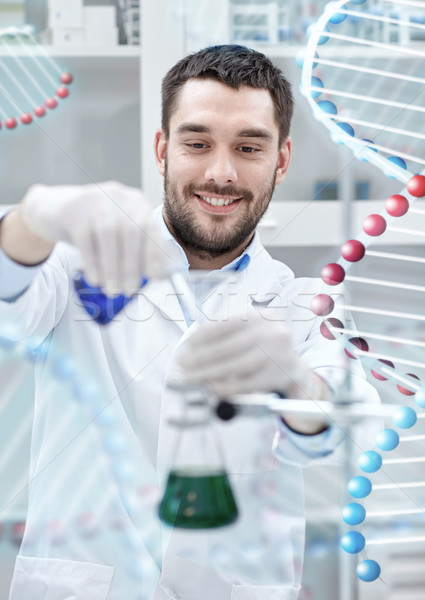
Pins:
x: 198, y: 494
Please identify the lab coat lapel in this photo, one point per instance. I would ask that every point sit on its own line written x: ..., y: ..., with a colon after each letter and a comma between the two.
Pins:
x: 263, y: 279
x: 162, y: 295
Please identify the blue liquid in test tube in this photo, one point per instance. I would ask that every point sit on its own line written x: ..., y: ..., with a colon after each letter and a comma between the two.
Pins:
x: 99, y: 306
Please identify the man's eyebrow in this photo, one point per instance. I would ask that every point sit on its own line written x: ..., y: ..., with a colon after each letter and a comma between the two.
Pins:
x: 193, y: 128
x: 255, y: 133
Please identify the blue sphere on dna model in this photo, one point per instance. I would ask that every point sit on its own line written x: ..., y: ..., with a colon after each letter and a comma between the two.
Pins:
x: 370, y: 461
x: 405, y: 417
x: 368, y: 570
x: 353, y: 513
x: 359, y: 486
x: 387, y: 439
x: 353, y: 542
x: 420, y: 397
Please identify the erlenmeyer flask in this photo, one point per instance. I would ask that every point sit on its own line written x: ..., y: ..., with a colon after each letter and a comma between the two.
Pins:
x: 198, y: 494
x: 99, y: 306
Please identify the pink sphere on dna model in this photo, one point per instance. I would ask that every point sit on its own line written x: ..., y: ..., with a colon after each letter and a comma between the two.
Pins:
x: 359, y: 343
x: 322, y: 305
x: 416, y: 186
x: 407, y: 391
x: 326, y: 332
x: 397, y: 205
x: 66, y: 78
x: 26, y: 118
x: 62, y: 92
x: 333, y: 273
x: 10, y: 123
x: 353, y: 250
x: 51, y: 103
x: 375, y: 371
x: 39, y: 111
x: 374, y: 225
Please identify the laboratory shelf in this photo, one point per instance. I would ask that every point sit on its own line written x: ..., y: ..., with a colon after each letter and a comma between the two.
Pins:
x: 121, y: 51
x: 318, y: 223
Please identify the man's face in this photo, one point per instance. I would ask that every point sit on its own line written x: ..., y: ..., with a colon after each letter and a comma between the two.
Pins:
x: 221, y: 163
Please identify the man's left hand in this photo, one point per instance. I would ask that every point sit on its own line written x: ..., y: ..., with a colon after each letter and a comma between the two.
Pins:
x: 244, y: 356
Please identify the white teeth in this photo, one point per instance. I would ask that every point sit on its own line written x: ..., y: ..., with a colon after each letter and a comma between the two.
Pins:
x: 217, y: 201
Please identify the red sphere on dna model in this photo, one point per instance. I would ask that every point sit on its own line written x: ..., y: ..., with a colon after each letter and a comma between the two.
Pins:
x: 326, y: 332
x: 374, y: 225
x: 39, y: 111
x: 62, y: 92
x: 353, y: 250
x: 51, y: 103
x: 333, y: 273
x: 416, y: 186
x: 66, y: 78
x: 359, y: 343
x: 397, y: 205
x: 10, y: 123
x: 376, y: 371
x: 26, y: 118
x: 407, y: 391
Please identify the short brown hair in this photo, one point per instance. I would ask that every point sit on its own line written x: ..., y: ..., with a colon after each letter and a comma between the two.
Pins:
x: 234, y: 66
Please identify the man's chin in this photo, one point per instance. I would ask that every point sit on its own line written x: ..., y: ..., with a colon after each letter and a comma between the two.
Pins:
x: 209, y: 250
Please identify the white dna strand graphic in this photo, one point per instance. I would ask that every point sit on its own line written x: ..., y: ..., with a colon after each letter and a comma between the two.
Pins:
x: 116, y: 490
x: 102, y: 512
x: 364, y: 78
x: 31, y: 81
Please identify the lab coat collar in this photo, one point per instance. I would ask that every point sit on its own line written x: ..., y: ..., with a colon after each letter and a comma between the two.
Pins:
x: 261, y: 276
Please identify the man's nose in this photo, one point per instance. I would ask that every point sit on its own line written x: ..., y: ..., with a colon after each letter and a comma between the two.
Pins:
x: 221, y: 168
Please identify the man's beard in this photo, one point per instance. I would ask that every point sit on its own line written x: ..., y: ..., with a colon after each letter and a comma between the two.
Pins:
x: 217, y: 240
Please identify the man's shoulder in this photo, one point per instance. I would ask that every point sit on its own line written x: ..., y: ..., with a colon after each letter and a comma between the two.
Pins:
x: 275, y: 275
x: 265, y: 266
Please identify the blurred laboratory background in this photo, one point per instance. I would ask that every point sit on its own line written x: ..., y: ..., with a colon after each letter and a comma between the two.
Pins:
x: 102, y: 128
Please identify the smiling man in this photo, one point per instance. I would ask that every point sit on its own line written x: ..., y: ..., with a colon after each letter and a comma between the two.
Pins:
x: 225, y: 163
x: 223, y: 147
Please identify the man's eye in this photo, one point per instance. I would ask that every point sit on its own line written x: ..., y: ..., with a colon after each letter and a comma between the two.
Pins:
x: 247, y: 149
x: 197, y: 146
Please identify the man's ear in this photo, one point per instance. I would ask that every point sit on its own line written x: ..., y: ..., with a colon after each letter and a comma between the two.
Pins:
x: 160, y: 149
x: 283, y: 160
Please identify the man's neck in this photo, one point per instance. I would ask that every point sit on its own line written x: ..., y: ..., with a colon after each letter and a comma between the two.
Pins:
x: 205, y: 261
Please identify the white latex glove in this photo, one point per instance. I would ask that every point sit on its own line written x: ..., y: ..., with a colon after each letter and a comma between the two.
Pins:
x: 245, y: 356
x: 111, y: 224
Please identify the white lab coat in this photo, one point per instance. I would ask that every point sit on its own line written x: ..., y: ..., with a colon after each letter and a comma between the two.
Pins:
x: 102, y: 446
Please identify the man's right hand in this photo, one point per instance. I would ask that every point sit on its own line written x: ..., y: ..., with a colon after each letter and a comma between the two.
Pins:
x: 111, y: 224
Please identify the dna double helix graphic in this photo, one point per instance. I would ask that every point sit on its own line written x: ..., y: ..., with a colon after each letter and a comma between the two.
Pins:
x: 32, y: 82
x: 364, y: 78
x: 369, y: 99
x: 102, y: 509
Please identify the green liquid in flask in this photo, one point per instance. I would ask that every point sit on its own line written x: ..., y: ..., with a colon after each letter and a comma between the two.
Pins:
x: 198, y: 500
